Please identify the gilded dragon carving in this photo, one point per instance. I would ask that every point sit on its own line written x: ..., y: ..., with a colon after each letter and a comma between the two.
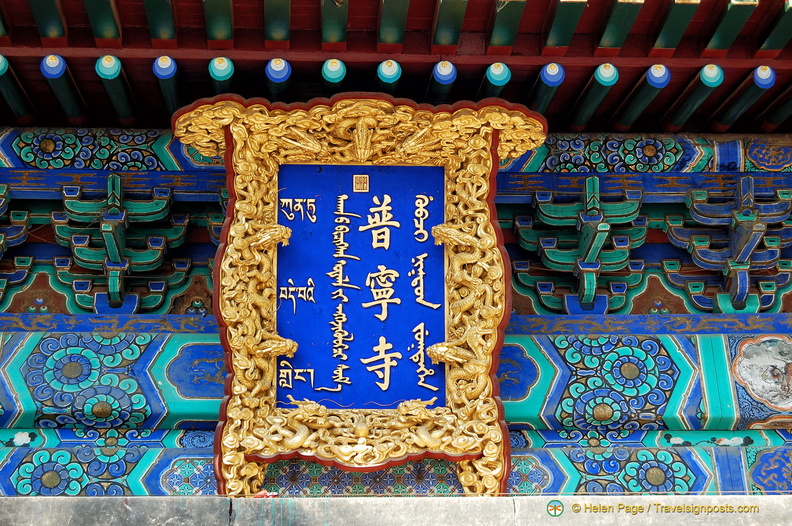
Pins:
x: 371, y: 131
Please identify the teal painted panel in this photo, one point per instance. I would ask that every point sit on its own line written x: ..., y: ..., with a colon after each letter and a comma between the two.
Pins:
x: 73, y: 380
x: 600, y: 383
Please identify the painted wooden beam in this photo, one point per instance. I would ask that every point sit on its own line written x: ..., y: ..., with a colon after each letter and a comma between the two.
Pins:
x: 732, y: 19
x: 702, y: 86
x: 495, y: 79
x: 550, y: 78
x: 448, y: 18
x: 50, y: 22
x: 504, y: 24
x: 758, y: 82
x: 620, y: 21
x: 116, y: 86
x: 565, y: 19
x: 162, y: 25
x: 221, y: 69
x: 778, y: 35
x: 605, y: 76
x: 103, y: 16
x: 651, y: 84
x: 675, y: 22
x: 166, y: 71
x: 392, y: 21
x: 335, y: 14
x: 277, y: 23
x: 779, y: 111
x: 14, y: 95
x: 278, y: 72
x: 219, y: 17
x: 444, y: 74
x: 60, y: 80
x: 5, y: 39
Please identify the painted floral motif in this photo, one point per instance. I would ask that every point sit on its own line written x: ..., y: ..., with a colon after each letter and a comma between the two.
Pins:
x: 49, y: 149
x: 634, y: 470
x: 656, y: 471
x: 620, y: 382
x: 297, y: 477
x: 528, y: 476
x: 103, y: 406
x: 112, y: 438
x: 190, y: 476
x: 85, y: 380
x: 420, y: 478
x: 79, y: 149
x: 647, y: 155
x: 599, y: 460
x: 606, y: 153
x: 768, y: 153
x: 46, y: 472
x: 335, y: 480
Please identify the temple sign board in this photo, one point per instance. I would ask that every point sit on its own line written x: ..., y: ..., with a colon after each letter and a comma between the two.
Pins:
x: 361, y: 285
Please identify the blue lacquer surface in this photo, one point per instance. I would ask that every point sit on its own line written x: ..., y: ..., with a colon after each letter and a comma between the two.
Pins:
x: 309, y: 301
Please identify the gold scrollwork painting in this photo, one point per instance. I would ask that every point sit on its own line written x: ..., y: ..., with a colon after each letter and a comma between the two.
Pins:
x: 467, y: 141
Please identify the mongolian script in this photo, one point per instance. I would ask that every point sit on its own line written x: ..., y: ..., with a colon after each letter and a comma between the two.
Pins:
x: 418, y: 281
x: 342, y: 229
x: 420, y: 333
x: 421, y: 215
x: 340, y: 335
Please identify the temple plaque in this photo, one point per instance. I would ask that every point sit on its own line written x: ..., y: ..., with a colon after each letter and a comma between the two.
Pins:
x: 360, y: 285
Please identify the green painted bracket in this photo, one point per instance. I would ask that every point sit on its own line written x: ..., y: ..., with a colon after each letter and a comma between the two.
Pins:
x: 87, y: 211
x: 141, y: 260
x: 587, y: 284
x: 134, y: 237
x: 566, y: 214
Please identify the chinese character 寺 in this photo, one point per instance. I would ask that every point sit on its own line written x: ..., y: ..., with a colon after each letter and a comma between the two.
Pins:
x: 382, y: 370
x: 381, y: 286
x: 380, y: 221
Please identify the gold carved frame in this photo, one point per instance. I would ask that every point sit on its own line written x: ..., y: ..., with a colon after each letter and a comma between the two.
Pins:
x: 256, y: 139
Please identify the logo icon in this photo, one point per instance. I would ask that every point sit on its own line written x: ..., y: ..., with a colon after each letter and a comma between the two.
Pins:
x: 555, y: 508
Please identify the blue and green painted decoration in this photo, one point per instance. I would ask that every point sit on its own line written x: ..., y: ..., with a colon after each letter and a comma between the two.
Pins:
x: 651, y: 277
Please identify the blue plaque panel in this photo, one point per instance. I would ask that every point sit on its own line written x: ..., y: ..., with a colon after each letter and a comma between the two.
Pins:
x: 361, y: 285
